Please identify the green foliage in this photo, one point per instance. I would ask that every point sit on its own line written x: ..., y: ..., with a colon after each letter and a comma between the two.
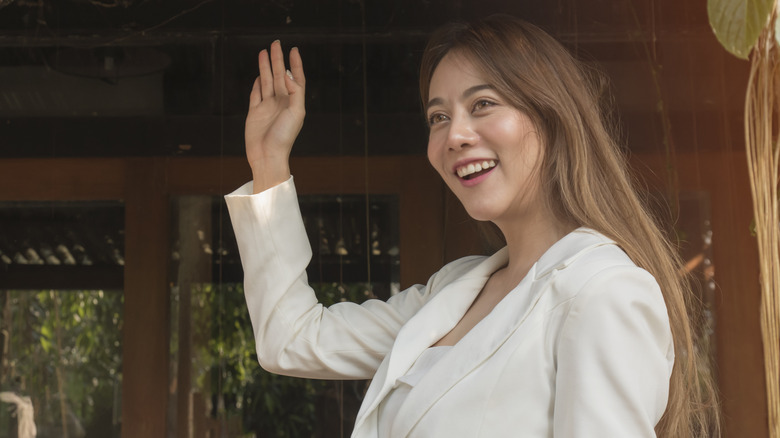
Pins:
x: 226, y: 366
x: 332, y: 293
x: 280, y: 406
x: 76, y: 334
x: 738, y: 23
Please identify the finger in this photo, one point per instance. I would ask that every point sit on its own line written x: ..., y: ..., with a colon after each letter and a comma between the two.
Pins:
x: 296, y: 82
x: 266, y: 77
x: 255, y: 97
x: 277, y: 65
x: 296, y: 67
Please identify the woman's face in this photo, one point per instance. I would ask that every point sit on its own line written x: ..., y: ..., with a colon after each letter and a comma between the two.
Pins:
x: 486, y: 151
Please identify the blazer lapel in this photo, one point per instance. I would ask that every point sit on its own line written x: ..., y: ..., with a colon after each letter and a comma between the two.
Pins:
x: 492, y: 332
x: 431, y: 323
x: 441, y: 314
x: 472, y: 350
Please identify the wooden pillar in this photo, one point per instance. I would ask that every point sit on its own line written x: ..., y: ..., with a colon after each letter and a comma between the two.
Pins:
x: 739, y: 351
x: 146, y: 332
x: 421, y: 224
x: 194, y: 230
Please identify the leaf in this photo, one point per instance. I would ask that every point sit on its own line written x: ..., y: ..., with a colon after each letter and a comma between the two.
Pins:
x: 46, y: 332
x: 738, y: 23
x: 45, y: 344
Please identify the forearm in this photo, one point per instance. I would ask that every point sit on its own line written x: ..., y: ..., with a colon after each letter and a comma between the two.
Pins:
x: 269, y: 173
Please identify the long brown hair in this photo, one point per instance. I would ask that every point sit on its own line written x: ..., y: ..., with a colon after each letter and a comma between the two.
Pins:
x: 586, y: 178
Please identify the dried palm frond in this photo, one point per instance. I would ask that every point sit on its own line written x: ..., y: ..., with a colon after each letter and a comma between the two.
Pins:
x: 762, y: 142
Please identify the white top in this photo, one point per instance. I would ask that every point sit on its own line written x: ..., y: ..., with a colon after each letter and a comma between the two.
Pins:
x: 404, y: 384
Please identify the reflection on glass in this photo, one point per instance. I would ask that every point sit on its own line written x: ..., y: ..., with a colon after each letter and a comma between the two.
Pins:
x: 692, y: 230
x: 347, y: 250
x: 694, y: 233
x: 218, y: 388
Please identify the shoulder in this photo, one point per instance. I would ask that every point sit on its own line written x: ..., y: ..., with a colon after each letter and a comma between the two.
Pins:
x: 582, y: 255
x: 593, y: 267
x: 581, y: 251
x: 602, y: 290
x: 612, y: 344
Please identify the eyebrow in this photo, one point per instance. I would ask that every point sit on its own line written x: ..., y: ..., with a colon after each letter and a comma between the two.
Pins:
x: 469, y: 91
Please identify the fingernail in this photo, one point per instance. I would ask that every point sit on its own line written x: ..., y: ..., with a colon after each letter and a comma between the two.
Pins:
x: 289, y: 74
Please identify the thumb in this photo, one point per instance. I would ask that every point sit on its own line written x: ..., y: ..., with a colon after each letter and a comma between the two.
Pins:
x: 255, y: 96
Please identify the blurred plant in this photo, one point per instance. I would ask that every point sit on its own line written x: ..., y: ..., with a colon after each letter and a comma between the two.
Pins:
x: 226, y: 364
x: 71, y: 382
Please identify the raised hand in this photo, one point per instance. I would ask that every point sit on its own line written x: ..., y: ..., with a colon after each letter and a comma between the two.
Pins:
x: 275, y: 117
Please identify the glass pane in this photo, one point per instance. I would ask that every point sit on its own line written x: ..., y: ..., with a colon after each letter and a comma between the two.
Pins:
x: 63, y: 360
x: 688, y: 217
x: 219, y: 386
x: 346, y: 251
x: 694, y: 231
x: 61, y: 307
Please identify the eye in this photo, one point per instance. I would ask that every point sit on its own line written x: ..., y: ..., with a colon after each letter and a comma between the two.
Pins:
x: 482, y: 104
x: 436, y: 118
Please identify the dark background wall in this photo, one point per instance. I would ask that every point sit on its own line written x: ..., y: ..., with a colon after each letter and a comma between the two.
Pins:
x: 168, y: 77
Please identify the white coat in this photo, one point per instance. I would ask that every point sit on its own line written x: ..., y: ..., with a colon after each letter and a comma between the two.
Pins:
x: 580, y: 348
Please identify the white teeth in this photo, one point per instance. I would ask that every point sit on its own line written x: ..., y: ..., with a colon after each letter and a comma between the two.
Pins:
x: 474, y: 168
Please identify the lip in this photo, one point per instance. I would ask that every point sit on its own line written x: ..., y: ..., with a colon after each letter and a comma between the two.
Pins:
x: 476, y: 180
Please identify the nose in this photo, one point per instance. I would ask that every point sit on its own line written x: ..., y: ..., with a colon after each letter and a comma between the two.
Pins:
x: 461, y: 133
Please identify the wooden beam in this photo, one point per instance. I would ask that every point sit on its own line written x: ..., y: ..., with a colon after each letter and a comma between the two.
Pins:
x: 61, y: 277
x: 61, y: 179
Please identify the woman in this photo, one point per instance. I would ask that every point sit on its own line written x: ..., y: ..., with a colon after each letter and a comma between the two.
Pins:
x: 578, y: 327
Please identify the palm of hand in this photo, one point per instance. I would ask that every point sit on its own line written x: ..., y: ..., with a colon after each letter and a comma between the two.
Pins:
x: 272, y: 126
x: 276, y: 109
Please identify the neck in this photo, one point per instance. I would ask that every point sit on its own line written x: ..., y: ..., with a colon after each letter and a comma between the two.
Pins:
x: 527, y: 240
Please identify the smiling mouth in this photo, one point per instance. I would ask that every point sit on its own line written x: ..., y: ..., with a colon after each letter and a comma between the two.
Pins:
x: 473, y: 170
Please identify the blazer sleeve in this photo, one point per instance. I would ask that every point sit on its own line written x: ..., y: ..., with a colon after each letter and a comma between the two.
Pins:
x: 295, y: 335
x: 614, y: 358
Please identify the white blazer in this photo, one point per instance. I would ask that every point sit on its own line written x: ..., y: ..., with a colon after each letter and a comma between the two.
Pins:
x: 589, y: 355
